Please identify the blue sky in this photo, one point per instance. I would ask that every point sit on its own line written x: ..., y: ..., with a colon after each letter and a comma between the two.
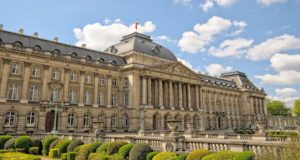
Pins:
x: 258, y: 37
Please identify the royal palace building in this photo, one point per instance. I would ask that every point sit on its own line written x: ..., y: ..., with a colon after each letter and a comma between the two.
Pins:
x: 114, y: 86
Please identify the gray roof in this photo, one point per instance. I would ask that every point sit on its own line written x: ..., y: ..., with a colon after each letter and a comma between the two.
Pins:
x: 46, y: 45
x: 141, y: 43
x: 245, y: 82
x: 218, y: 81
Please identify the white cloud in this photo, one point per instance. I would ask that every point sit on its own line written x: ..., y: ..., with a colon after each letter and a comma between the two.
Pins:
x: 207, y: 5
x: 241, y: 24
x: 210, y: 3
x: 225, y: 3
x: 217, y: 69
x: 274, y: 45
x: 165, y: 38
x: 186, y: 63
x: 183, y: 2
x: 107, y: 21
x: 286, y: 95
x: 99, y: 37
x: 285, y: 62
x: 282, y: 78
x: 235, y: 47
x: 269, y: 2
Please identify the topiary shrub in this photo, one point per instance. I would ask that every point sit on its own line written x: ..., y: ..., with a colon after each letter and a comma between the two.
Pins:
x: 94, y: 146
x: 77, y: 148
x: 165, y: 156
x: 46, y: 144
x: 181, y: 156
x: 139, y: 151
x: 209, y: 157
x: 4, y: 139
x: 34, y: 150
x: 62, y: 147
x: 115, y: 146
x: 151, y: 155
x: 246, y: 155
x: 53, y: 144
x: 10, y: 144
x: 71, y: 155
x: 198, y: 154
x: 124, y: 150
x: 35, y: 142
x: 63, y: 156
x: 53, y: 153
x: 223, y: 155
x: 83, y: 152
x: 103, y: 148
x: 74, y: 144
x: 23, y: 142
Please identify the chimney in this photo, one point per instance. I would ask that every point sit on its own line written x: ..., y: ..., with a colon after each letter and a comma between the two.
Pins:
x: 1, y: 26
x: 83, y: 45
x: 55, y: 39
x: 21, y: 31
x: 35, y: 35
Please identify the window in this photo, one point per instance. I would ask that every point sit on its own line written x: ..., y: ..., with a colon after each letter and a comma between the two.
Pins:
x: 87, y: 97
x: 9, y: 118
x: 55, y: 74
x: 54, y: 95
x: 126, y: 82
x: 34, y: 93
x: 15, y: 69
x: 37, y: 49
x: 88, y: 79
x: 17, y: 45
x: 71, y: 119
x: 102, y: 81
x: 72, y: 96
x: 126, y: 121
x: 74, y: 77
x: 114, y: 82
x: 35, y: 71
x: 114, y: 100
x: 102, y: 118
x: 113, y: 121
x: 101, y: 99
x: 30, y: 119
x: 126, y: 99
x: 13, y: 91
x: 86, y: 120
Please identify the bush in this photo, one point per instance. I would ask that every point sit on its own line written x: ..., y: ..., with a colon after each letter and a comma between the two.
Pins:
x: 23, y: 142
x: 77, y: 148
x: 3, y: 139
x: 53, y: 153
x: 35, y: 142
x: 74, y: 144
x: 209, y: 157
x: 71, y: 155
x: 222, y: 155
x: 151, y: 155
x: 46, y: 144
x: 181, y: 157
x: 198, y: 154
x: 139, y: 151
x: 62, y: 147
x: 124, y: 150
x: 115, y: 146
x: 103, y: 148
x: 53, y: 144
x: 63, y: 156
x: 246, y: 155
x: 34, y: 150
x: 10, y: 144
x: 83, y: 152
x: 18, y: 156
x: 165, y: 156
x: 94, y: 146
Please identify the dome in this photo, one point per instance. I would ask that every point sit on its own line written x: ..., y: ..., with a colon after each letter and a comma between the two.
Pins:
x: 140, y: 43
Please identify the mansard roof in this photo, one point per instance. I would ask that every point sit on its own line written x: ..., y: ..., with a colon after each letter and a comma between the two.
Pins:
x: 218, y: 81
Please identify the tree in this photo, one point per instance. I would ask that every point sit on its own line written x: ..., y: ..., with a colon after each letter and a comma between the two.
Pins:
x: 278, y: 108
x: 297, y: 107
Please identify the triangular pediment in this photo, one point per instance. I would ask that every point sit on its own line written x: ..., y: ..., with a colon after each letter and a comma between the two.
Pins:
x: 176, y: 68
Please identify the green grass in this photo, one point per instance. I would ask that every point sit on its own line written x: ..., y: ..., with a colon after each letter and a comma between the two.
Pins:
x: 18, y: 156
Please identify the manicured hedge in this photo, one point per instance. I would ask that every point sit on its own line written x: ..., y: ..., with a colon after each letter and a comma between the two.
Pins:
x: 35, y: 142
x: 18, y: 156
x: 71, y: 155
x: 63, y: 156
x: 53, y: 153
x: 62, y: 146
x: 151, y: 155
x: 46, y: 144
x: 139, y: 151
x: 77, y: 148
x: 83, y: 152
x: 115, y: 146
x: 23, y: 142
x: 181, y: 156
x: 124, y: 150
x: 74, y: 144
x: 198, y: 154
x: 54, y: 143
x: 222, y: 155
x: 4, y: 139
x: 94, y: 146
x: 10, y: 144
x: 165, y: 156
x: 103, y: 148
x: 34, y: 150
x: 246, y: 155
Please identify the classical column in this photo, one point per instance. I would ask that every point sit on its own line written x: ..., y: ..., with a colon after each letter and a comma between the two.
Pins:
x: 261, y: 106
x: 232, y: 104
x: 46, y: 78
x: 209, y: 104
x: 4, y: 82
x: 156, y: 93
x: 184, y: 104
x: 237, y: 105
x: 144, y: 91
x: 81, y: 88
x: 161, y: 97
x: 227, y: 103
x: 96, y: 85
x: 149, y: 92
x: 197, y: 96
x: 264, y: 106
x: 109, y: 83
x: 171, y: 102
x: 24, y: 98
x: 180, y: 95
x: 66, y: 84
x: 251, y: 106
x: 189, y: 99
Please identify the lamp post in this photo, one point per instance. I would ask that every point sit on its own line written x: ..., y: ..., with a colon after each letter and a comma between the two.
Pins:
x: 56, y: 109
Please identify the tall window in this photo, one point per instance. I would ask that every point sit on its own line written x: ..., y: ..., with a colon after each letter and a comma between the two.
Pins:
x: 13, y: 91
x: 126, y: 82
x: 71, y: 119
x: 9, y: 118
x: 15, y: 69
x: 54, y: 95
x: 102, y: 81
x: 102, y: 118
x: 55, y: 74
x: 35, y: 71
x: 34, y: 93
x: 88, y: 79
x: 113, y: 121
x: 114, y: 99
x: 30, y: 119
x: 114, y: 82
x: 101, y: 99
x: 87, y: 97
x: 72, y: 96
x: 126, y: 120
x: 74, y: 77
x: 86, y: 120
x: 126, y: 99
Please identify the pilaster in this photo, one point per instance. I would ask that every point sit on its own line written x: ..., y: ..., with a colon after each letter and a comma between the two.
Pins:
x: 81, y: 88
x: 46, y: 78
x: 4, y: 82
x: 24, y: 98
x: 96, y: 96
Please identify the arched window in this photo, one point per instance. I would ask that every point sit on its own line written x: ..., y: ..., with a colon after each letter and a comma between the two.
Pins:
x: 30, y: 119
x: 17, y: 45
x: 113, y: 121
x: 86, y: 120
x: 74, y: 54
x: 113, y: 62
x: 126, y: 121
x: 71, y: 120
x: 1, y: 43
x: 101, y: 60
x: 88, y: 58
x: 37, y: 49
x: 9, y: 119
x: 56, y: 51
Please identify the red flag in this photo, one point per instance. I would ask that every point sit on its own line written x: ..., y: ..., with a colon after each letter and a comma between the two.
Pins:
x: 136, y: 25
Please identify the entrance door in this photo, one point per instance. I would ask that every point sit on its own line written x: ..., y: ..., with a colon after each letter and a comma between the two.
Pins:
x: 50, y: 121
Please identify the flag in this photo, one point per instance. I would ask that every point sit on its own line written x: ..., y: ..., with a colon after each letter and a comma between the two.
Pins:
x: 136, y: 24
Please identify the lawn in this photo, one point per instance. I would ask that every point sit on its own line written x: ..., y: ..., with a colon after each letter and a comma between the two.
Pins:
x: 18, y: 156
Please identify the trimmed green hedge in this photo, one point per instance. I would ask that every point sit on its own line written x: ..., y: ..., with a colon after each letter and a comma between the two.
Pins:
x: 115, y: 146
x: 74, y: 144
x: 165, y: 156
x: 53, y: 153
x: 222, y: 155
x: 151, y: 155
x: 181, y: 156
x: 71, y: 155
x: 18, y: 156
x: 77, y: 148
x: 94, y: 146
x: 23, y: 142
x: 46, y: 144
x: 246, y: 155
x: 139, y: 151
x: 198, y: 154
x: 34, y: 150
x: 53, y: 144
x: 124, y: 150
x: 63, y: 156
x: 86, y: 149
x: 10, y: 144
x: 35, y: 142
x: 4, y: 139
x: 103, y: 148
x: 62, y: 147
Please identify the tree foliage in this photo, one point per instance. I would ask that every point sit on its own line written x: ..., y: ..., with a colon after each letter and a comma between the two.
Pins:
x: 297, y: 107
x: 278, y: 108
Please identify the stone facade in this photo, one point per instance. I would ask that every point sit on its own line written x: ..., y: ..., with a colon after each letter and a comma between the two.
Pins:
x: 37, y: 74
